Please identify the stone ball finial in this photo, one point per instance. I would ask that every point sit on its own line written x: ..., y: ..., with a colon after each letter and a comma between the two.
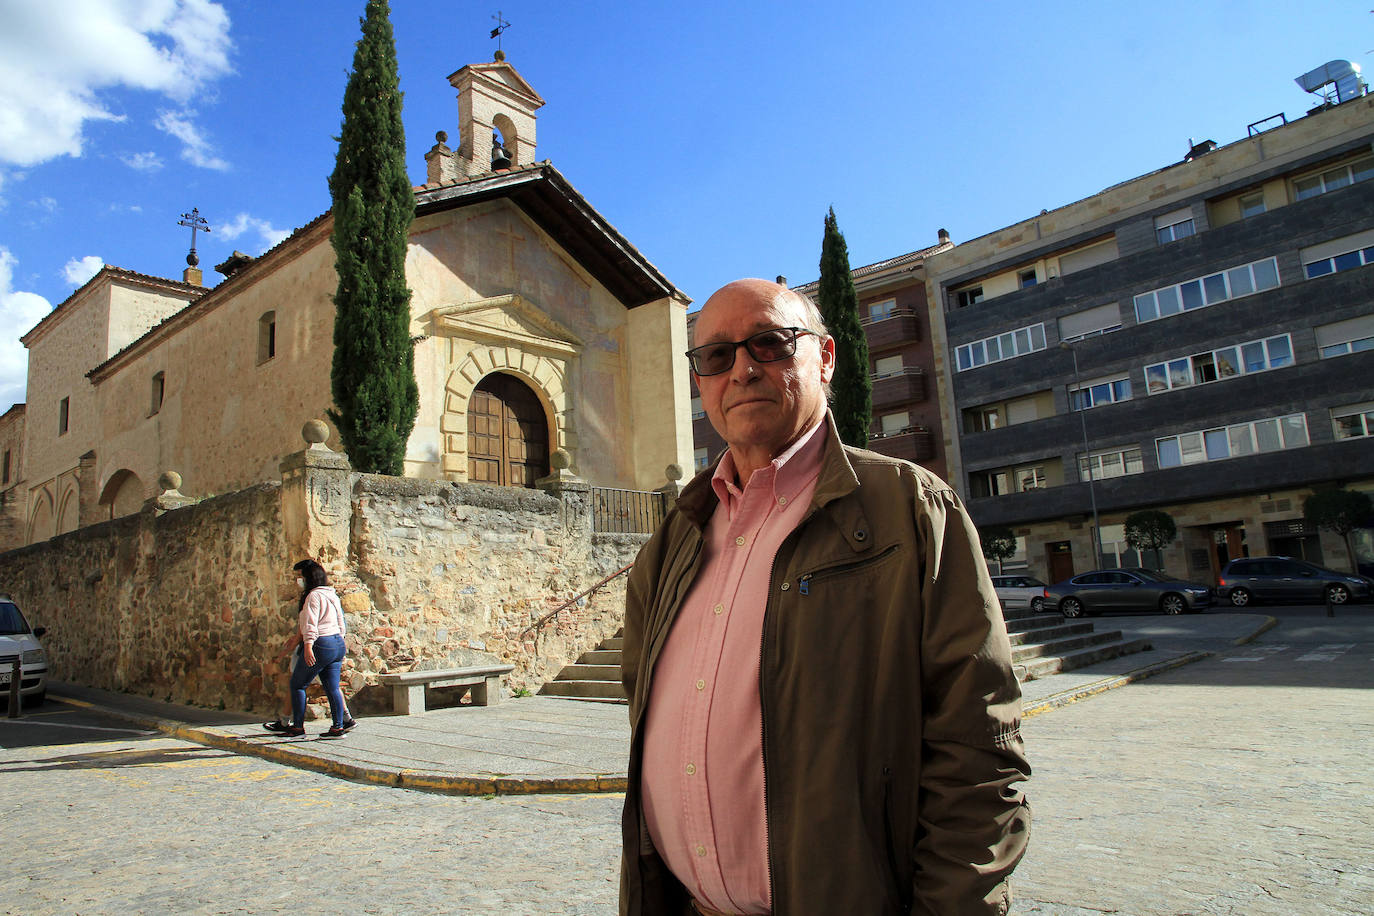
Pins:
x: 500, y: 55
x: 441, y: 136
x: 560, y: 460
x: 315, y: 432
x: 673, y: 472
x: 169, y: 480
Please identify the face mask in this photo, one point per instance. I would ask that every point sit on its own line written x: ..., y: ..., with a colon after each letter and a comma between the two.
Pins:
x: 300, y: 583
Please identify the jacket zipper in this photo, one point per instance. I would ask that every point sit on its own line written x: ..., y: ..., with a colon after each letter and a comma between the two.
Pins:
x: 804, y: 583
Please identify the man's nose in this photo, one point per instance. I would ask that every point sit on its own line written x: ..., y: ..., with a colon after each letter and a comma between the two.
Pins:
x: 746, y: 368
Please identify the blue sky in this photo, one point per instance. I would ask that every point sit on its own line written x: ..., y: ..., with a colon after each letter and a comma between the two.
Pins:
x: 713, y: 134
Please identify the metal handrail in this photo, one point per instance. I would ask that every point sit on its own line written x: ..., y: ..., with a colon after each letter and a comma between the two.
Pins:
x: 539, y: 624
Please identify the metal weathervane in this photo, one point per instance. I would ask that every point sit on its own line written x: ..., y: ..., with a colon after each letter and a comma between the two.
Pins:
x: 197, y: 223
x: 501, y: 26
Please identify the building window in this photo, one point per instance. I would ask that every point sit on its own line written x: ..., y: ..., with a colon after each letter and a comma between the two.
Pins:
x: 1332, y: 179
x: 894, y: 423
x: 159, y: 389
x: 267, y: 336
x: 1099, y: 392
x: 1252, y: 205
x: 970, y: 296
x: 1339, y: 254
x: 888, y: 365
x: 1233, y: 441
x: 702, y: 457
x: 697, y: 410
x: 1026, y: 278
x: 1218, y: 365
x: 1111, y: 463
x: 1347, y: 422
x: 1209, y: 290
x: 7, y: 467
x: 877, y: 311
x: 1003, y: 346
x: 1116, y: 553
x: 1174, y: 226
x: 1091, y: 322
x: 1344, y: 337
x: 1008, y: 480
x: 63, y: 416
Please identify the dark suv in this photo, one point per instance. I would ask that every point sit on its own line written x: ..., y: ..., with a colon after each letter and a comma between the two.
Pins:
x: 1285, y: 580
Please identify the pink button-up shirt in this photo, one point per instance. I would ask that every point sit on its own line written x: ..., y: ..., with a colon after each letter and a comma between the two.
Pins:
x: 703, y: 734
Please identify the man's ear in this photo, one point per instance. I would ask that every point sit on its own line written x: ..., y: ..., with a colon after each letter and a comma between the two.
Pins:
x: 827, y: 358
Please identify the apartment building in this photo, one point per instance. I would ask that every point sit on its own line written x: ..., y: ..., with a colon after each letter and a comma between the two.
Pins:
x: 1199, y: 339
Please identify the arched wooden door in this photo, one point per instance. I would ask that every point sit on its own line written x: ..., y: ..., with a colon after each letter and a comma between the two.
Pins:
x: 508, y: 435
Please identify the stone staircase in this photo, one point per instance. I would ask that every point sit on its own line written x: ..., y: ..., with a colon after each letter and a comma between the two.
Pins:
x: 1041, y: 644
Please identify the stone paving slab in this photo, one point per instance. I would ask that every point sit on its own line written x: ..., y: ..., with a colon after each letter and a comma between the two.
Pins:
x: 546, y: 744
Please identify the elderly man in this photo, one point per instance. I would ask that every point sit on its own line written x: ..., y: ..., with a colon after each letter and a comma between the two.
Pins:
x: 824, y: 716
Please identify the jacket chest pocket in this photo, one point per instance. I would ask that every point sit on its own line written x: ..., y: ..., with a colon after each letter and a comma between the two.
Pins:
x: 827, y: 577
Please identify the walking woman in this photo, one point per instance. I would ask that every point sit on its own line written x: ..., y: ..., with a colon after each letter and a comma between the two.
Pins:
x: 320, y: 634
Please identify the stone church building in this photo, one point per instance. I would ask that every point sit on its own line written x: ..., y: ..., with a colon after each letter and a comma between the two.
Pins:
x: 537, y: 326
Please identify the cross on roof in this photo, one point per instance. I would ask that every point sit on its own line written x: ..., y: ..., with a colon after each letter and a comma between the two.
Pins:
x: 196, y: 222
x: 501, y: 26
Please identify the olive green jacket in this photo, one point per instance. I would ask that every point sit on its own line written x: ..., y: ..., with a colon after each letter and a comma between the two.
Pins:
x: 891, y: 716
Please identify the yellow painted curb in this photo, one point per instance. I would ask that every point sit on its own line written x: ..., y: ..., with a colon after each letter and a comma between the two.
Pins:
x: 1066, y: 697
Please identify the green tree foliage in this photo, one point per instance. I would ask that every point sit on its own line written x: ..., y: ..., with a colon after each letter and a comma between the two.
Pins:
x: 852, y: 388
x: 1151, y: 529
x: 1340, y: 511
x: 998, y: 542
x: 373, y: 376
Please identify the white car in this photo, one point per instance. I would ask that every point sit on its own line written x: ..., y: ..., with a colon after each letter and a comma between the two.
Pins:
x: 1019, y: 592
x: 17, y: 638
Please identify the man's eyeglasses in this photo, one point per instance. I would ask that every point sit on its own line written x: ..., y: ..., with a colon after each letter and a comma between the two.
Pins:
x: 765, y: 347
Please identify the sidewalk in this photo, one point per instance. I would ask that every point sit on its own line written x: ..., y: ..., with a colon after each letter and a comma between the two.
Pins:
x: 543, y: 744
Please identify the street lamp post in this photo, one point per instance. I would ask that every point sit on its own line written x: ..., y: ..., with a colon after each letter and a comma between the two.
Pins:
x: 1087, y: 457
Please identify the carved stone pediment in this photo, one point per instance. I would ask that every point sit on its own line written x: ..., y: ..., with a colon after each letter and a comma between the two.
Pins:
x: 510, y: 320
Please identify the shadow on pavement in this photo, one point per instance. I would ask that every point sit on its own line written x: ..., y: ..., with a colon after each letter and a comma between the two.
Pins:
x: 104, y: 760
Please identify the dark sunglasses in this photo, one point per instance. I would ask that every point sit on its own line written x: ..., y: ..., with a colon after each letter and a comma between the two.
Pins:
x: 768, y: 346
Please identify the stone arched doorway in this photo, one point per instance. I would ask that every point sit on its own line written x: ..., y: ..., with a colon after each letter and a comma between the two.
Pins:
x: 508, y: 433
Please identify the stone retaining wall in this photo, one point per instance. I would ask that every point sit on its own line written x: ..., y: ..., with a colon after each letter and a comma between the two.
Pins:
x: 192, y: 603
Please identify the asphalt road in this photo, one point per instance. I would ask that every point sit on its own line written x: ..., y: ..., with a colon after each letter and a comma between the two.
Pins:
x: 1238, y: 785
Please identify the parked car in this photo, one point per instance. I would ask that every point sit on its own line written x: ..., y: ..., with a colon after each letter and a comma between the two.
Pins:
x: 1286, y: 580
x: 1019, y: 592
x: 1126, y: 590
x: 17, y: 638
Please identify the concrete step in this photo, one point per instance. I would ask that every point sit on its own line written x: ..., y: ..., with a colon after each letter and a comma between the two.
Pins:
x: 600, y: 657
x: 1038, y: 622
x: 1044, y: 634
x: 584, y: 690
x: 582, y: 672
x: 1024, y: 653
x: 613, y: 642
x: 1042, y: 667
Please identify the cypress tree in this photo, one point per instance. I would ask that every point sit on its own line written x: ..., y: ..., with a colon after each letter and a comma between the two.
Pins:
x: 852, y: 388
x: 373, y: 376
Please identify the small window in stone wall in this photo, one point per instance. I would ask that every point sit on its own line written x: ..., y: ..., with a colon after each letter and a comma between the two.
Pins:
x: 63, y: 416
x: 7, y: 467
x: 159, y: 389
x: 267, y: 337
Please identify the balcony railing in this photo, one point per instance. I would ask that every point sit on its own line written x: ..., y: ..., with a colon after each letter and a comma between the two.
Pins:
x: 900, y: 387
x: 911, y: 444
x: 900, y: 326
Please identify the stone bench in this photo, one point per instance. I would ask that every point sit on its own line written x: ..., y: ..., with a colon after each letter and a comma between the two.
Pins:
x: 408, y: 687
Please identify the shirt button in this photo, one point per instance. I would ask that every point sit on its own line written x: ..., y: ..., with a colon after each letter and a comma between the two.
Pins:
x: 701, y: 685
x: 691, y: 769
x: 739, y: 541
x: 718, y: 609
x: 782, y: 500
x: 701, y: 850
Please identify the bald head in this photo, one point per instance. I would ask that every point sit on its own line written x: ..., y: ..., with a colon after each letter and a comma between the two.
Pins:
x: 767, y: 291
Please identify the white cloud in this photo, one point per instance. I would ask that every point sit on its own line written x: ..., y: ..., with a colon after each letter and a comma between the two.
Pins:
x: 195, y: 149
x: 78, y: 270
x: 19, y: 312
x: 244, y: 223
x: 57, y: 58
x: 143, y: 162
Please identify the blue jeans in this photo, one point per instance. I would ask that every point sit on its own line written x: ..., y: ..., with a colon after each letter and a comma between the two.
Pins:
x: 329, y: 653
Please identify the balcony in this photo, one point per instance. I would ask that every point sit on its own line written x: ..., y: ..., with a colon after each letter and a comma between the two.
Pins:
x: 911, y: 444
x: 900, y: 387
x: 900, y: 327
